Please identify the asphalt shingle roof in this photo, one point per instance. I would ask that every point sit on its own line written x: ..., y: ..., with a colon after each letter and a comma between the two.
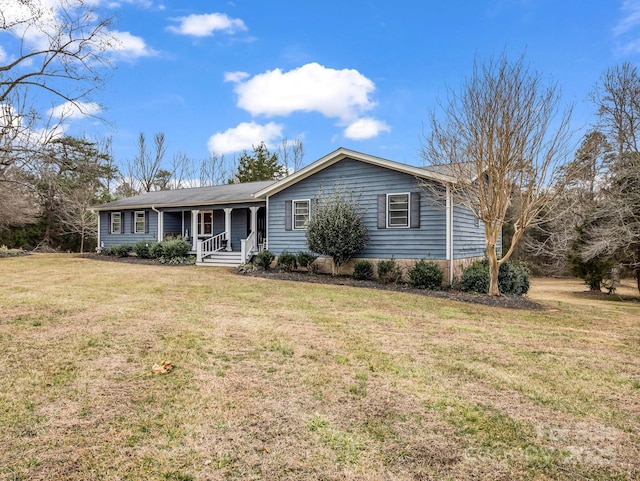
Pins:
x: 217, y: 194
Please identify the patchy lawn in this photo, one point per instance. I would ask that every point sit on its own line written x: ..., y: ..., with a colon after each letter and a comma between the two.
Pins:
x: 286, y: 380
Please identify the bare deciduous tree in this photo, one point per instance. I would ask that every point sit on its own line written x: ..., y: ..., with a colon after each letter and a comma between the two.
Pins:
x: 141, y: 173
x: 291, y: 154
x: 504, y: 137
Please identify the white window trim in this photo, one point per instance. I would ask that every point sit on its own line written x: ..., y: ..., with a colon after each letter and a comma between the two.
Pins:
x: 111, y: 229
x: 293, y: 213
x: 135, y: 221
x: 408, y: 194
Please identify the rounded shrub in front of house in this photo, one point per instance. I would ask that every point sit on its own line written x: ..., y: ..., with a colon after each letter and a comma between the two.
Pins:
x: 143, y: 249
x: 155, y: 250
x: 363, y: 270
x: 175, y: 248
x: 513, y: 278
x: 305, y: 259
x: 264, y: 259
x: 287, y: 261
x: 426, y: 275
x: 389, y: 272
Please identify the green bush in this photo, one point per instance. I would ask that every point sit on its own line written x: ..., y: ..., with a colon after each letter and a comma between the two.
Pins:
x: 305, y: 259
x: 337, y: 229
x: 175, y: 248
x: 426, y: 275
x: 264, y: 259
x: 363, y: 270
x: 155, y: 250
x: 287, y: 261
x: 121, y: 250
x: 389, y: 272
x: 513, y: 278
x: 143, y: 249
x: 475, y: 278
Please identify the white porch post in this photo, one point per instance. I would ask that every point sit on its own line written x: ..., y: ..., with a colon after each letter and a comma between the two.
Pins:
x: 227, y: 226
x: 254, y: 218
x: 160, y: 226
x: 194, y: 228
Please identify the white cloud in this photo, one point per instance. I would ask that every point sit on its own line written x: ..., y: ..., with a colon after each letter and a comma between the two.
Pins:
x: 631, y: 17
x: 243, y: 137
x: 365, y: 128
x: 3, y: 54
x: 342, y: 94
x: 75, y: 110
x: 37, y: 21
x: 128, y: 46
x: 626, y: 30
x: 206, y: 24
x: 235, y: 76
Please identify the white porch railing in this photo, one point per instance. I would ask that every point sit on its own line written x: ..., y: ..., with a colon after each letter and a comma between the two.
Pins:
x: 248, y: 246
x: 209, y: 246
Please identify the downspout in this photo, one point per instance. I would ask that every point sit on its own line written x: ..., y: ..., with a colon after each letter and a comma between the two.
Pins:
x: 98, y: 246
x: 160, y: 226
x: 449, y: 233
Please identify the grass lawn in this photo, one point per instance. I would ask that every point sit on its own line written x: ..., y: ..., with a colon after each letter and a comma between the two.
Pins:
x: 285, y: 380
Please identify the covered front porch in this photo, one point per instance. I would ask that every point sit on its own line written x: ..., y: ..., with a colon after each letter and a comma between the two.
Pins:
x: 219, y: 235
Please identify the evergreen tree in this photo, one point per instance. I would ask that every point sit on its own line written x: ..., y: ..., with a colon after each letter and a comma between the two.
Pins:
x: 261, y: 165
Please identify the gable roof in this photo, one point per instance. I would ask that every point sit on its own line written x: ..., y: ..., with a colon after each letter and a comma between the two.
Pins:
x: 342, y: 153
x: 217, y: 194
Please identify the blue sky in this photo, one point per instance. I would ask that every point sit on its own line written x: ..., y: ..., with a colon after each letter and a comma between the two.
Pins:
x: 220, y: 76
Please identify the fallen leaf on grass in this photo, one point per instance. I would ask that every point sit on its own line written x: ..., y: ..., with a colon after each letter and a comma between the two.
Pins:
x: 163, y: 368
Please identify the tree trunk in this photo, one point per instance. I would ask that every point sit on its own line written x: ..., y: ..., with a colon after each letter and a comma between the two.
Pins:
x: 494, y: 268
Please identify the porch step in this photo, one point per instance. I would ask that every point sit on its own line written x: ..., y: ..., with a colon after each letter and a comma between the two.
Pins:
x: 222, y: 259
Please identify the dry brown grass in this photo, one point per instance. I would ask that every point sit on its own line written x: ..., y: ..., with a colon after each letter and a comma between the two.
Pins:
x: 282, y: 380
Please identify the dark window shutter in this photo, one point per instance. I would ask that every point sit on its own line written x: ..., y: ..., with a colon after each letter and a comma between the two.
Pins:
x: 146, y: 222
x: 133, y: 222
x: 382, y: 211
x: 415, y: 210
x: 109, y: 222
x: 287, y: 215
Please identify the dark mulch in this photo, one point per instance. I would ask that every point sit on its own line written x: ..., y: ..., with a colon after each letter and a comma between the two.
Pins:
x: 508, y: 301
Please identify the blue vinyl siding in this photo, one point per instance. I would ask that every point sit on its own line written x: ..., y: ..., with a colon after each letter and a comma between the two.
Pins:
x: 468, y: 238
x: 126, y: 236
x: 172, y: 223
x: 366, y: 182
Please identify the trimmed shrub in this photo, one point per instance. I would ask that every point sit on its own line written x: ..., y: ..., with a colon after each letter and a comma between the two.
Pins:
x: 287, y: 261
x: 363, y: 270
x: 175, y: 248
x: 122, y: 250
x: 264, y: 259
x: 305, y: 259
x: 475, y: 278
x: 155, y: 250
x: 389, y: 272
x: 143, y: 249
x: 513, y: 278
x: 337, y: 229
x: 426, y: 275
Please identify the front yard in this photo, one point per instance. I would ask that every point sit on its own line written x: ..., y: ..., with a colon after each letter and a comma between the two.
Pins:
x: 284, y: 380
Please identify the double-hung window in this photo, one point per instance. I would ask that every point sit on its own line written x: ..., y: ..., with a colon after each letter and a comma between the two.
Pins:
x: 116, y: 223
x: 397, y: 210
x: 139, y: 222
x: 300, y: 214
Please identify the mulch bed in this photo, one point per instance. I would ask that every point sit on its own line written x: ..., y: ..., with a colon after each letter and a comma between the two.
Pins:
x: 508, y: 301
